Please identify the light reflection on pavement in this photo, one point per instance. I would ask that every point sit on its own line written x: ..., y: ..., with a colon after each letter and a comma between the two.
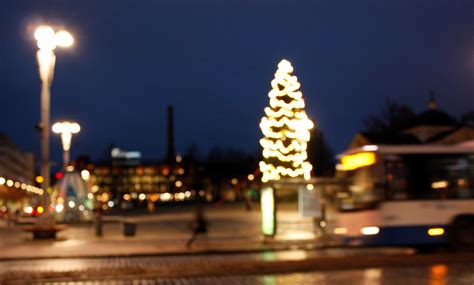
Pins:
x: 103, y: 263
x: 457, y: 274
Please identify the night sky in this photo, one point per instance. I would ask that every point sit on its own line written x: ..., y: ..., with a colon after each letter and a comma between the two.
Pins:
x: 214, y: 60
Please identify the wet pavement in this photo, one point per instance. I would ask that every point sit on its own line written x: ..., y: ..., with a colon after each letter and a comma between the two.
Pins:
x: 231, y: 228
x: 198, y: 260
x: 441, y: 274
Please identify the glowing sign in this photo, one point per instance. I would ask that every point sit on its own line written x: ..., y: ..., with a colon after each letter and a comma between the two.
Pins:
x: 354, y: 161
x: 118, y: 153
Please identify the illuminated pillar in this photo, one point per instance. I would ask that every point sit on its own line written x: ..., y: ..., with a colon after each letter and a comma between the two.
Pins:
x: 268, y: 208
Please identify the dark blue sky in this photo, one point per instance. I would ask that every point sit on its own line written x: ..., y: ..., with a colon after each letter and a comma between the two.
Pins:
x: 214, y: 60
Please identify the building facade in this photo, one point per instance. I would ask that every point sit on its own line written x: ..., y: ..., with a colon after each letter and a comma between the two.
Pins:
x: 17, y: 177
x: 125, y: 182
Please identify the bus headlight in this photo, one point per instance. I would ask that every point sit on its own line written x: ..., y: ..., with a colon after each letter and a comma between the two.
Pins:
x: 367, y: 231
x: 435, y: 231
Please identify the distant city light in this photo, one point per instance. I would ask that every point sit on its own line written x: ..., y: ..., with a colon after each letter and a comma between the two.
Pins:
x: 234, y: 181
x: 2, y: 180
x: 250, y: 177
x: 178, y: 183
x: 59, y: 208
x: 17, y: 184
x: 110, y: 204
x: 179, y: 158
x: 440, y: 184
x: 90, y: 196
x: 85, y: 174
x: 39, y: 179
x: 40, y: 209
x: 59, y: 175
x: 71, y: 204
x: 310, y: 187
x: 28, y: 210
x: 81, y: 208
x: 340, y: 231
x: 10, y: 183
x: 142, y: 196
x: 104, y: 197
x: 127, y: 197
x: 179, y: 196
x: 165, y: 197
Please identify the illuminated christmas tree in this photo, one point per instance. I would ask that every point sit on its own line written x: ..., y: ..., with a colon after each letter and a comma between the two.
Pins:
x: 285, y: 127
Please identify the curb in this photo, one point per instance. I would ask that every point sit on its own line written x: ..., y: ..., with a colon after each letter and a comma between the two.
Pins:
x: 263, y: 249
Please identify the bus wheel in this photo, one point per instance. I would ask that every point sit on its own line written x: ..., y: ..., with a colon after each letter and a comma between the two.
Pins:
x: 462, y: 232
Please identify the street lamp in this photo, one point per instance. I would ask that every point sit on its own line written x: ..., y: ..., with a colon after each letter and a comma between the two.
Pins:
x: 66, y: 130
x: 47, y: 40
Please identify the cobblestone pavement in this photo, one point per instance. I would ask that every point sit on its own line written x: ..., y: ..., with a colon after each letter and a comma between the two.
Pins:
x: 458, y: 274
x: 104, y: 263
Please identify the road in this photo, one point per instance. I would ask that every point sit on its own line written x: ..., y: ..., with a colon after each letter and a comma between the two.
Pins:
x: 422, y: 275
x: 337, y: 266
x: 79, y: 257
x: 439, y: 274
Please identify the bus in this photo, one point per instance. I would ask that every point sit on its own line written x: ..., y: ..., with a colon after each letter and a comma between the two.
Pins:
x: 406, y: 195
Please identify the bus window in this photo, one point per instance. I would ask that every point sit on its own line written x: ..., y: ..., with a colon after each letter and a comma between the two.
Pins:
x: 429, y: 176
x: 360, y: 191
x: 395, y: 176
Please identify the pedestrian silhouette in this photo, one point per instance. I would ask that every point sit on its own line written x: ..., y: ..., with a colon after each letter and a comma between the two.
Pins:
x: 199, y: 225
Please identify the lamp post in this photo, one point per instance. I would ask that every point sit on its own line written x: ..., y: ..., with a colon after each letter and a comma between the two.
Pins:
x: 66, y: 130
x: 47, y: 40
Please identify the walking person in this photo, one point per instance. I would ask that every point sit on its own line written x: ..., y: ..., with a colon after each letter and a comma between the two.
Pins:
x: 199, y: 226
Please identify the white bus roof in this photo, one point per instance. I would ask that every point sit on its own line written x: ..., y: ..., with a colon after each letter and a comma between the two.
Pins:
x: 411, y: 149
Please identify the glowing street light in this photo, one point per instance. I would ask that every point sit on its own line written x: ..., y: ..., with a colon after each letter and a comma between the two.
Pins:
x: 47, y: 40
x: 66, y: 130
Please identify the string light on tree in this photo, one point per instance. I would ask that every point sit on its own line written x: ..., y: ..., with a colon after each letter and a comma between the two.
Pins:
x: 285, y: 127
